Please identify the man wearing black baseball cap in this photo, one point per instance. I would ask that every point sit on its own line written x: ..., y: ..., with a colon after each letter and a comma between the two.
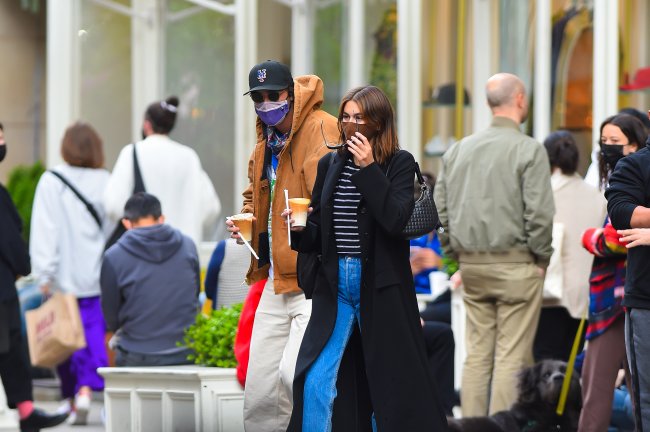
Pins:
x: 290, y: 130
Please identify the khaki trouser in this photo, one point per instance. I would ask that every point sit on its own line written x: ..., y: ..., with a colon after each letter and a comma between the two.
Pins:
x: 503, y: 303
x: 280, y: 323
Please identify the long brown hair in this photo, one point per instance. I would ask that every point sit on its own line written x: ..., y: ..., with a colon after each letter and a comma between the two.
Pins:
x: 378, y: 112
x: 82, y: 146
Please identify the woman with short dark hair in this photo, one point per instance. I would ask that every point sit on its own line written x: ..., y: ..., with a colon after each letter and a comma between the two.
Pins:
x: 66, y: 246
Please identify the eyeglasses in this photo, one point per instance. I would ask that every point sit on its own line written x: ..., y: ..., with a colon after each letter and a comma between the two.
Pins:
x: 333, y: 146
x: 272, y: 95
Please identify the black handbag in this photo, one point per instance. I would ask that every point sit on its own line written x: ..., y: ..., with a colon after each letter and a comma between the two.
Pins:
x: 138, y: 186
x: 424, y: 218
x: 308, y: 263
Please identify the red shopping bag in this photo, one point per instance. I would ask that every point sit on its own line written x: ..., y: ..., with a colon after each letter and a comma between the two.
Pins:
x: 245, y: 329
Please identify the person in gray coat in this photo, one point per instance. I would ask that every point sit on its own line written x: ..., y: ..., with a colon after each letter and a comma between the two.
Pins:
x: 150, y: 283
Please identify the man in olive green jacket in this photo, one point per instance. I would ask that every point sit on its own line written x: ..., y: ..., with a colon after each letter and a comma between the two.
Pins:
x: 495, y: 203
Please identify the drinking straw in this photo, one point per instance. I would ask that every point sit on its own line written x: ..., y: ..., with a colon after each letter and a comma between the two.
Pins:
x: 247, y: 244
x: 286, y: 199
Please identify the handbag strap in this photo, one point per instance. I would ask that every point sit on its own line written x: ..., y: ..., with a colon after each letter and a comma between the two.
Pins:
x: 417, y: 169
x: 138, y: 185
x: 88, y: 205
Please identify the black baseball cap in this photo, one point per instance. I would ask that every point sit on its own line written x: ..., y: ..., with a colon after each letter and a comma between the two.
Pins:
x: 269, y: 75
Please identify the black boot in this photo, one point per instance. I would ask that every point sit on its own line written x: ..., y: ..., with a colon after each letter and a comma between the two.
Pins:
x: 40, y: 419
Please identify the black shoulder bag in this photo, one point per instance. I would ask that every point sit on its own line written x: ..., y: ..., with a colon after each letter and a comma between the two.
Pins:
x: 138, y: 186
x: 424, y: 218
x: 91, y: 209
x: 308, y: 263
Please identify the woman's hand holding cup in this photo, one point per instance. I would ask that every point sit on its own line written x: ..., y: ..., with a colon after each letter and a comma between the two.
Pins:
x: 289, y: 213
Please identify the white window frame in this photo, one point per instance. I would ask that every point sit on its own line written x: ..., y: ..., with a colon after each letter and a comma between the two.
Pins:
x: 148, y: 20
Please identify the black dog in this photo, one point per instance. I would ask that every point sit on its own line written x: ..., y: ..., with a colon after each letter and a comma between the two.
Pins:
x: 539, y: 391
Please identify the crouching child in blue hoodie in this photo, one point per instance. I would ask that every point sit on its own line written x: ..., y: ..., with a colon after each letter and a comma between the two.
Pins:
x: 150, y: 283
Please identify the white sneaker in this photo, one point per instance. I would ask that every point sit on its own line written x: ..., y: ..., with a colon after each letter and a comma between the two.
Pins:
x: 82, y: 406
x: 72, y: 418
x: 64, y: 408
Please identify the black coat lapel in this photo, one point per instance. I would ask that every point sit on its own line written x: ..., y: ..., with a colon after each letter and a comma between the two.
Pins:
x: 330, y: 180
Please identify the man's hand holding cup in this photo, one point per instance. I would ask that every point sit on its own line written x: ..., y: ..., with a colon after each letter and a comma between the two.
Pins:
x: 241, y: 225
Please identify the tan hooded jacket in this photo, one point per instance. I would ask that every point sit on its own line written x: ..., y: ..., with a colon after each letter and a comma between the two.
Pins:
x: 296, y: 172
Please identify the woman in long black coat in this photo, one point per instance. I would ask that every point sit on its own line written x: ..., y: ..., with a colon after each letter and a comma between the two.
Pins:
x: 364, y: 303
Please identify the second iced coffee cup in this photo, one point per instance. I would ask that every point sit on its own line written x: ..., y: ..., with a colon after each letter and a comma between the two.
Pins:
x: 299, y: 207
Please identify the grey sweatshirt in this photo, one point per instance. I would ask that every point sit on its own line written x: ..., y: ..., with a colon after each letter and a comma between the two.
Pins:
x: 150, y: 283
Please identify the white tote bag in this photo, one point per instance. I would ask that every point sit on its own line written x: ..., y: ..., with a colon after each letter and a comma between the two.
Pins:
x: 554, y: 280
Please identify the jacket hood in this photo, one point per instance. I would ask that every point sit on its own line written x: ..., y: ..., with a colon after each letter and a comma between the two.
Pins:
x: 155, y: 244
x: 307, y: 97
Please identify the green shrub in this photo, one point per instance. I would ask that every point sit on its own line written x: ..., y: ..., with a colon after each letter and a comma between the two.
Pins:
x: 450, y: 266
x: 22, y: 187
x: 212, y: 338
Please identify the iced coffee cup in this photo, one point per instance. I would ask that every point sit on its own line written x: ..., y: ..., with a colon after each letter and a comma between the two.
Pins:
x: 244, y: 221
x: 299, y: 211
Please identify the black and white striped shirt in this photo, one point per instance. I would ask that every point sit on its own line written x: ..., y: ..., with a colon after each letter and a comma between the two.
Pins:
x: 346, y: 203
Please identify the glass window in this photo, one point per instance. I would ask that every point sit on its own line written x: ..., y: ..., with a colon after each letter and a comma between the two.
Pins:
x: 440, y: 51
x: 381, y: 46
x: 200, y: 70
x: 105, y: 75
x: 329, y: 52
x: 572, y: 74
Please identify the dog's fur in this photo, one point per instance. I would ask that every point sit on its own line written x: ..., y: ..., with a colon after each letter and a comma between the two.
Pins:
x: 534, y: 411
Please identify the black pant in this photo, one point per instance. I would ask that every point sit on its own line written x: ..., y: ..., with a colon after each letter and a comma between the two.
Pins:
x: 439, y: 309
x: 555, y: 334
x: 14, y: 364
x: 439, y: 341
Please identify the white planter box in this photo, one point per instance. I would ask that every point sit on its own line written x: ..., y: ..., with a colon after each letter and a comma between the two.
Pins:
x: 458, y: 322
x: 172, y: 398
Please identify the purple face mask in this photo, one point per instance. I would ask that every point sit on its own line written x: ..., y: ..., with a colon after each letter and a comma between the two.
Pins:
x: 272, y: 113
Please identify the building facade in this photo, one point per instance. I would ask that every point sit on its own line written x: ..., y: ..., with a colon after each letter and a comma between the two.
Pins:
x: 103, y: 61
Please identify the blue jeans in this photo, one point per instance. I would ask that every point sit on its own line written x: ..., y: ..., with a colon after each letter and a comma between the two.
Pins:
x: 320, y: 381
x: 622, y: 412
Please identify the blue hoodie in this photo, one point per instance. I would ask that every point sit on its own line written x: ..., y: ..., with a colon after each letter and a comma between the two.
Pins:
x: 150, y: 282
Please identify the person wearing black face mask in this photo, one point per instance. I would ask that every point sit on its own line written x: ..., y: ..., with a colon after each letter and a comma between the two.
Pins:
x: 628, y: 203
x: 14, y: 364
x: 620, y: 135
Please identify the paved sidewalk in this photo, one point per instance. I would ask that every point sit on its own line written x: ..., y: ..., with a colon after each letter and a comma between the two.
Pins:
x: 94, y: 417
x: 47, y: 395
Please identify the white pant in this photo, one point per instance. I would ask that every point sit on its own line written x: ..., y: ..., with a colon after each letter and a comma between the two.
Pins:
x: 280, y: 323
